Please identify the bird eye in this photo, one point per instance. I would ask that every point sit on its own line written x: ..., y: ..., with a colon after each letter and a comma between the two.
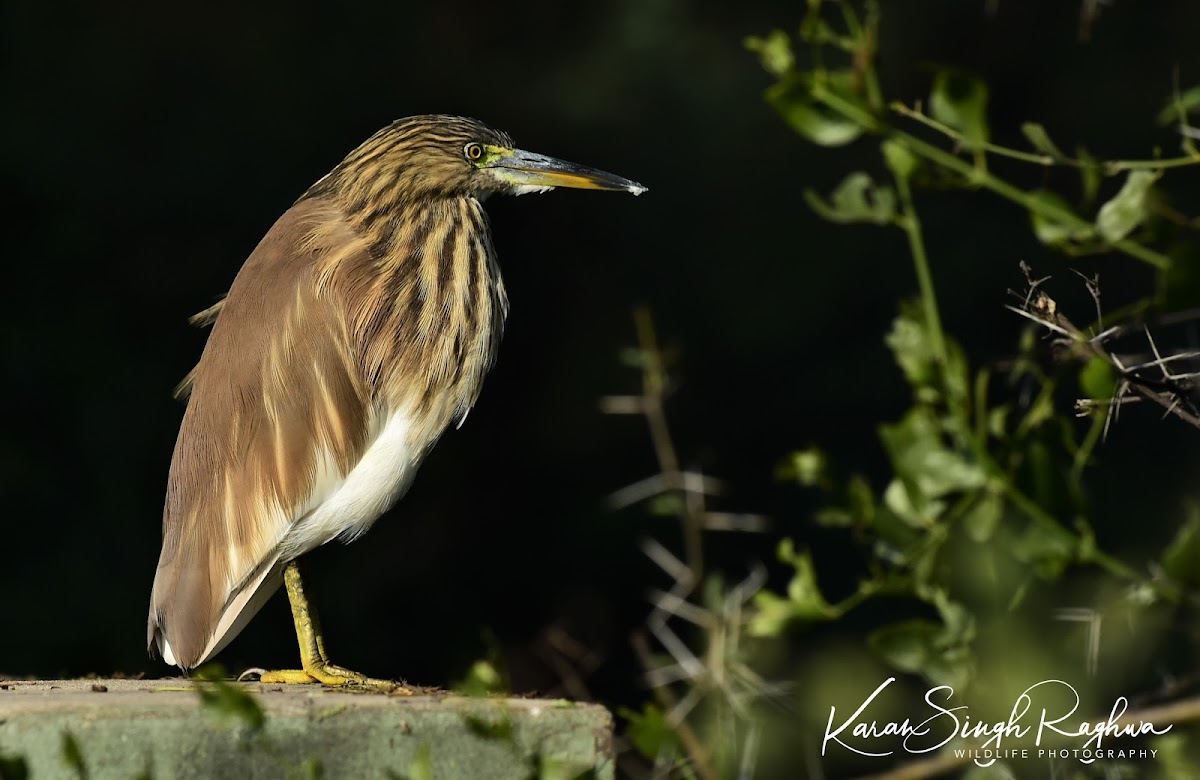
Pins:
x: 473, y: 151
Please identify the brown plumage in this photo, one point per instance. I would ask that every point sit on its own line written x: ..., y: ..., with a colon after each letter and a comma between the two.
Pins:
x: 359, y: 328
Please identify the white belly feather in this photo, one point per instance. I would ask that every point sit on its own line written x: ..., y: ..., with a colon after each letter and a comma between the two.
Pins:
x: 347, y: 507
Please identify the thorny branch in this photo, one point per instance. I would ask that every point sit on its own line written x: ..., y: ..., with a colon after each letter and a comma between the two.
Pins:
x: 1148, y: 377
x: 719, y: 669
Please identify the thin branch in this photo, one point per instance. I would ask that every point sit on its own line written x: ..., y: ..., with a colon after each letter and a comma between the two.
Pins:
x: 1110, y: 168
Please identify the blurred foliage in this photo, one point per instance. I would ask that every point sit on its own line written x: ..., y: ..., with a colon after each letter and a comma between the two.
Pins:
x: 228, y: 702
x: 72, y: 756
x: 986, y: 519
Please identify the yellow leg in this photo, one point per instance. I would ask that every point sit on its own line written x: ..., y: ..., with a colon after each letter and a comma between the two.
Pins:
x: 317, y: 667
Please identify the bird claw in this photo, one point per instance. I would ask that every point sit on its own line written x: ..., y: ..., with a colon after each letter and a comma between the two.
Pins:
x: 325, y: 674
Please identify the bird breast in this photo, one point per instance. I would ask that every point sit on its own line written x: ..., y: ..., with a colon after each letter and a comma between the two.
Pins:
x: 425, y: 306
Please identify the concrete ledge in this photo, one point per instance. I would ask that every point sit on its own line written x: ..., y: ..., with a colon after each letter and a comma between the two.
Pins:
x: 163, y: 729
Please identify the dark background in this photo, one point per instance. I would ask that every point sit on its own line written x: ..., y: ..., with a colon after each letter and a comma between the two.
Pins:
x: 144, y: 151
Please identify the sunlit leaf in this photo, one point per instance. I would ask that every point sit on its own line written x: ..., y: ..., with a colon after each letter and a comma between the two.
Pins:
x: 910, y: 506
x: 910, y: 345
x: 803, y: 601
x: 809, y: 467
x: 922, y: 460
x: 959, y: 101
x: 482, y: 679
x: 1118, y: 217
x: 792, y: 98
x: 1039, y: 139
x: 774, y: 52
x: 857, y: 199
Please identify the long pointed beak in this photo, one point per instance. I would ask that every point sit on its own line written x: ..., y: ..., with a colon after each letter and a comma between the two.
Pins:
x: 527, y: 172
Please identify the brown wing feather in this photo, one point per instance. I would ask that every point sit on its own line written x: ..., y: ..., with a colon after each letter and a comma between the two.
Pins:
x: 247, y: 455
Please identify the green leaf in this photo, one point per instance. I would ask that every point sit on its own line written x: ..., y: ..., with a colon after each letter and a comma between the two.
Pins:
x: 856, y: 199
x: 940, y: 653
x: 900, y: 161
x: 1187, y: 102
x: 922, y: 461
x: 1039, y: 139
x: 981, y: 520
x: 1181, y: 559
x: 1097, y: 379
x: 809, y: 467
x: 1047, y: 228
x: 803, y: 602
x: 482, y: 679
x: 72, y: 756
x: 421, y: 767
x: 997, y: 421
x: 907, y: 646
x: 959, y: 101
x: 897, y: 537
x: 227, y: 701
x: 818, y: 123
x: 1118, y: 217
x: 1047, y: 546
x: 959, y: 623
x: 912, y: 349
x: 649, y: 731
x: 774, y: 52
x: 910, y: 505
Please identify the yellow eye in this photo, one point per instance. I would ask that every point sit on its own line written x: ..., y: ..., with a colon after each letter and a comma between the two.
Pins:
x: 473, y: 151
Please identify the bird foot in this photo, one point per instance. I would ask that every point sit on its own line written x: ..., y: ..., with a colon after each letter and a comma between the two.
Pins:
x: 327, y: 674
